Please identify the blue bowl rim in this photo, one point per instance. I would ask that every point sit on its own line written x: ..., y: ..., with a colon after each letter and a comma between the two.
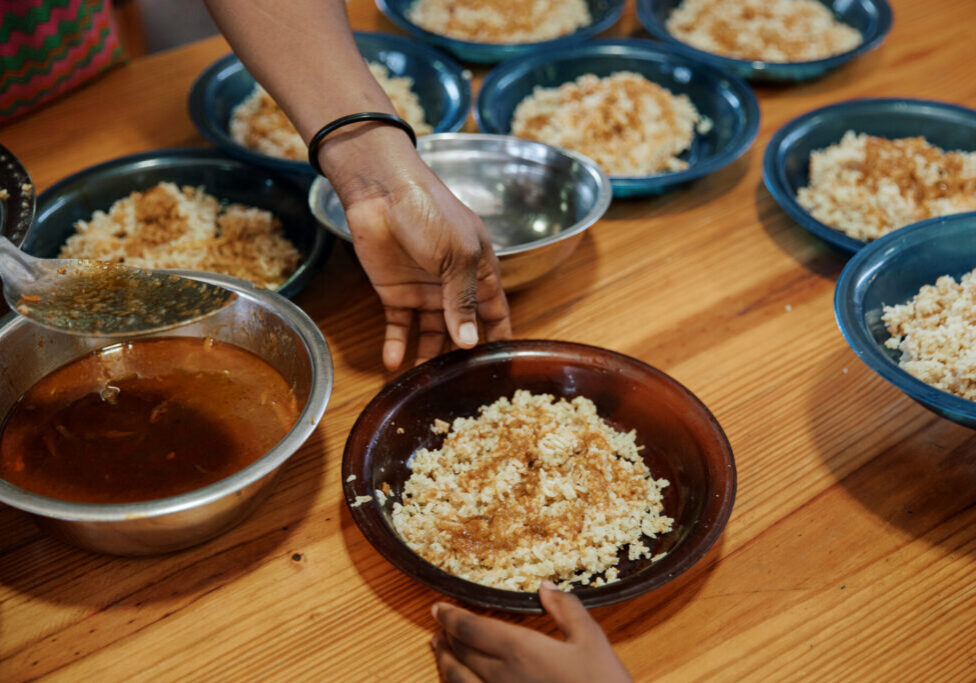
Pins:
x: 885, y: 20
x: 323, y: 241
x: 849, y: 312
x: 198, y: 103
x: 501, y: 50
x: 636, y: 46
x: 778, y: 187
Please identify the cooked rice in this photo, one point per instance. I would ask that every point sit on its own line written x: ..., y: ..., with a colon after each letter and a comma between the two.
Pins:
x: 627, y: 124
x: 936, y: 334
x: 165, y: 227
x: 258, y: 122
x: 764, y: 30
x: 868, y: 186
x: 500, y: 21
x: 531, y: 490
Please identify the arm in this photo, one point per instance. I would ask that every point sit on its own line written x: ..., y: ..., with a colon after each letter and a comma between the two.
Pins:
x: 428, y: 257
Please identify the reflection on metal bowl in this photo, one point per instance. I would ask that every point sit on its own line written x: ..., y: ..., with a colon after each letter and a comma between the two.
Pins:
x: 259, y: 321
x: 535, y: 200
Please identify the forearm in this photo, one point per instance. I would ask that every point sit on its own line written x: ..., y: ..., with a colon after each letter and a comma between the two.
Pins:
x: 304, y: 54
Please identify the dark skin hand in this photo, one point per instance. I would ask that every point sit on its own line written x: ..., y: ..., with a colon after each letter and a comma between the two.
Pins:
x: 472, y: 648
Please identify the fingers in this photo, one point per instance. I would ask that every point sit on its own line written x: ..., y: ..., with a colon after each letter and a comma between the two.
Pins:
x: 568, y: 613
x: 490, y: 636
x: 483, y: 665
x: 431, y: 335
x: 492, y: 303
x: 398, y: 322
x: 452, y: 670
x: 459, y: 277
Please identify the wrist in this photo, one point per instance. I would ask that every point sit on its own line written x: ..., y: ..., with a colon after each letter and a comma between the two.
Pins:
x: 369, y: 160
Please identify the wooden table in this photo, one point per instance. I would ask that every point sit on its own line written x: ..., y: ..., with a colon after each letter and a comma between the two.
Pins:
x: 852, y: 547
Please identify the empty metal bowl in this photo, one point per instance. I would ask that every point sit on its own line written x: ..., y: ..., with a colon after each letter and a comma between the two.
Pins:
x: 872, y: 18
x: 536, y: 200
x: 682, y: 441
x: 259, y: 321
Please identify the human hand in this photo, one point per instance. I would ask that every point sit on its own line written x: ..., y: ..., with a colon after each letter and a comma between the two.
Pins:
x: 427, y: 255
x: 475, y: 648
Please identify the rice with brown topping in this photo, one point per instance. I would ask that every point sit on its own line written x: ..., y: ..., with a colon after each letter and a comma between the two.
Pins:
x: 531, y: 489
x: 763, y: 30
x: 258, y: 122
x: 867, y: 186
x: 500, y: 21
x: 627, y: 124
x: 168, y: 227
x: 936, y: 334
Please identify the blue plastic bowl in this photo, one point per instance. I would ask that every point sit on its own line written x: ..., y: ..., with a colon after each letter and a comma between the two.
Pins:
x: 890, y: 271
x: 605, y: 13
x: 96, y: 188
x: 723, y: 98
x: 786, y: 162
x: 443, y: 91
x: 872, y: 18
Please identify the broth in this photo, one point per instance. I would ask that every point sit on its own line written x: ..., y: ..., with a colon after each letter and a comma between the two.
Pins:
x: 144, y: 420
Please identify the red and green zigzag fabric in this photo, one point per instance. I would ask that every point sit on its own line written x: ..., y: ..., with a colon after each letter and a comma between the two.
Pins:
x: 48, y: 47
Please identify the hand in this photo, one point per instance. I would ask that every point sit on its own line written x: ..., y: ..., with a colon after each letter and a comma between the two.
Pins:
x: 476, y: 648
x: 427, y: 255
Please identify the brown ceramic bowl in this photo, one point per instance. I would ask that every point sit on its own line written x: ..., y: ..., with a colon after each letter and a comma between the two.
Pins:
x: 683, y: 443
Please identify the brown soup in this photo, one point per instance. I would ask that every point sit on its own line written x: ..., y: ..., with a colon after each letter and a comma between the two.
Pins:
x: 144, y: 420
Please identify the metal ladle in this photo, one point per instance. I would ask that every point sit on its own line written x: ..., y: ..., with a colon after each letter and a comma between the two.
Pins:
x: 94, y: 298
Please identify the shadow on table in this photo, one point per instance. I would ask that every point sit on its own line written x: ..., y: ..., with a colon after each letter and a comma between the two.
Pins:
x: 55, y: 572
x: 917, y: 483
x: 806, y: 249
x: 412, y: 600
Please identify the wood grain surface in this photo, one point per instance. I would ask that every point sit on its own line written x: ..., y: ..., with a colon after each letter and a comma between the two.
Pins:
x: 851, y: 551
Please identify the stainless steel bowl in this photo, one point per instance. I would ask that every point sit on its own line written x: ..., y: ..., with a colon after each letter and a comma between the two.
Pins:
x: 260, y: 321
x: 536, y: 200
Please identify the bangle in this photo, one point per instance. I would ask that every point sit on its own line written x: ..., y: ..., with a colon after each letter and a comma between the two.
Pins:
x: 318, y: 138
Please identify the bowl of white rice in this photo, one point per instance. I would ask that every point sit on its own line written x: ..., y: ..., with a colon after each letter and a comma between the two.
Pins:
x: 483, y: 472
x: 188, y: 209
x: 489, y: 31
x: 906, y: 304
x: 428, y: 89
x: 650, y: 116
x: 770, y: 40
x: 854, y: 171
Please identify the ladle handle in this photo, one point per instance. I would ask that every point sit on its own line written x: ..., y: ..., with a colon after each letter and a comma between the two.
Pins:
x: 14, y: 263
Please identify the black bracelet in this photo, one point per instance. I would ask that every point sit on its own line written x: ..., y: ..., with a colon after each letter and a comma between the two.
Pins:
x: 318, y: 138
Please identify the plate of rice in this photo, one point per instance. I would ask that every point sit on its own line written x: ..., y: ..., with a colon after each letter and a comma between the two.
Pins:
x: 483, y: 472
x: 906, y: 304
x: 185, y: 209
x: 651, y: 117
x: 427, y: 89
x: 770, y: 40
x: 855, y: 171
x: 489, y: 31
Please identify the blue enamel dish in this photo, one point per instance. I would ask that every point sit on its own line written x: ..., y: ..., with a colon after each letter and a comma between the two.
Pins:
x: 440, y: 84
x: 724, y: 99
x: 890, y: 271
x: 604, y: 13
x: 873, y: 18
x: 786, y: 162
x: 96, y: 188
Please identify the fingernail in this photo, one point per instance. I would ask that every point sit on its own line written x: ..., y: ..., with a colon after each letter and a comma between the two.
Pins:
x: 435, y: 640
x: 433, y: 610
x: 549, y: 585
x: 468, y: 334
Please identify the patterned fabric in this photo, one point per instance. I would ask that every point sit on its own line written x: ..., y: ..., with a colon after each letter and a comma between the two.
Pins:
x: 48, y: 47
